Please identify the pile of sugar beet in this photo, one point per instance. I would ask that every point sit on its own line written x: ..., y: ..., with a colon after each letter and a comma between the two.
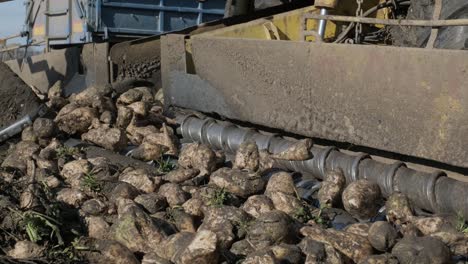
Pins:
x: 193, y: 205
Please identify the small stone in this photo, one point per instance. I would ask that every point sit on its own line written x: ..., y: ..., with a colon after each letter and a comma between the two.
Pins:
x: 361, y: 199
x: 257, y: 205
x: 112, y: 139
x: 26, y: 250
x: 94, y: 207
x: 281, y: 182
x: 97, y: 227
x: 398, y: 208
x: 300, y: 150
x: 237, y: 182
x: 141, y: 179
x: 353, y: 246
x: 382, y: 236
x: 152, y: 202
x: 247, y: 157
x: 198, y: 156
x: 71, y: 197
x: 419, y: 250
x: 174, y: 194
x: 44, y: 127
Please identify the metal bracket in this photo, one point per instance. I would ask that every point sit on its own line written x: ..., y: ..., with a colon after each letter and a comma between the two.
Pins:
x: 271, y: 31
x: 435, y: 31
x: 56, y: 13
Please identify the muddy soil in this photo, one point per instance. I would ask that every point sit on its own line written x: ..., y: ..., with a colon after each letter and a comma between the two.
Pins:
x: 16, y: 97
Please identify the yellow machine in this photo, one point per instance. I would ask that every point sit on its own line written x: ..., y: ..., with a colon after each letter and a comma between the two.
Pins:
x: 358, y: 75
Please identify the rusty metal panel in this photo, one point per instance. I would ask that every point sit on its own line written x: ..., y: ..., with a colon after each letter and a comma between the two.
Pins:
x: 403, y: 100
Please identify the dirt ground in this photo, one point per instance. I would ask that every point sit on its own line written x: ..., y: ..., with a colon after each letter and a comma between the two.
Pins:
x: 16, y: 98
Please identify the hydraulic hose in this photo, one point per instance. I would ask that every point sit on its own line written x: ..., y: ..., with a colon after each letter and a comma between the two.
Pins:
x: 434, y: 192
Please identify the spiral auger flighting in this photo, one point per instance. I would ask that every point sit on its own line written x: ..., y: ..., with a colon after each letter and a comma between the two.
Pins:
x: 434, y: 192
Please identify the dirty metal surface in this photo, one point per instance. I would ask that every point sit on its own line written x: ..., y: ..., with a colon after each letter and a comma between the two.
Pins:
x: 95, y: 62
x: 407, y: 101
x: 136, y: 59
x: 43, y: 70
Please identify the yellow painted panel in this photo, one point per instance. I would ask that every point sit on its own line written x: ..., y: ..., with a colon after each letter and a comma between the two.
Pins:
x: 39, y: 30
x: 289, y: 26
x: 77, y: 26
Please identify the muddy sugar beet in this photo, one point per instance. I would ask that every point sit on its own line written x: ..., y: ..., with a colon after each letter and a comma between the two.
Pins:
x: 194, y: 205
